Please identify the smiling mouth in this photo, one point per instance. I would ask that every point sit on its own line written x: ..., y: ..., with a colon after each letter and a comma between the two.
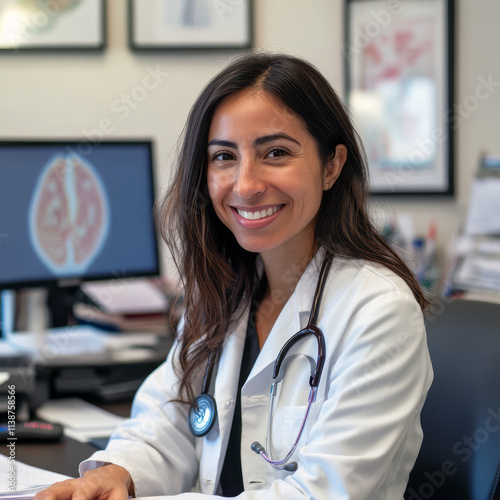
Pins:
x: 259, y: 214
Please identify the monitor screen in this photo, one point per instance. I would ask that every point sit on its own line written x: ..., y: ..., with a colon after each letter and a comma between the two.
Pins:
x: 75, y: 210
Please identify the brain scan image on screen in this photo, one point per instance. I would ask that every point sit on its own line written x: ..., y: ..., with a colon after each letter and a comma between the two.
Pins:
x: 69, y: 215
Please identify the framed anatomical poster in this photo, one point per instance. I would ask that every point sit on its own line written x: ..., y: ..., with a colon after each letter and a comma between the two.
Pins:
x: 399, y: 83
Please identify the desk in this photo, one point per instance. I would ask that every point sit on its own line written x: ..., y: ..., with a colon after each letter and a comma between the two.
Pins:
x: 98, y: 378
x: 63, y: 456
x: 107, y: 377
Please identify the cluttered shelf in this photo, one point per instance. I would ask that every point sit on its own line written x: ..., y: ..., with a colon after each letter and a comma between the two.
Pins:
x: 470, y: 268
x: 473, y: 257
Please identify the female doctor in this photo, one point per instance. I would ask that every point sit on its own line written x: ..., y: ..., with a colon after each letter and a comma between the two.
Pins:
x: 267, y: 220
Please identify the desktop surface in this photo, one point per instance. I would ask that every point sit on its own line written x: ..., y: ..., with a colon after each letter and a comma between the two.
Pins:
x: 63, y: 456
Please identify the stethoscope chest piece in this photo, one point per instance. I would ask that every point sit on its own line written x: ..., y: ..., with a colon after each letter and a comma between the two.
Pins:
x: 202, y: 415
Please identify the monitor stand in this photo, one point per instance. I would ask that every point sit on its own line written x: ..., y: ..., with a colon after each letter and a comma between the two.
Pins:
x: 60, y: 301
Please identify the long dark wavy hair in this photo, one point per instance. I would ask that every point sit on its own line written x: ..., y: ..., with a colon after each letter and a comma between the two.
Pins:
x: 219, y: 277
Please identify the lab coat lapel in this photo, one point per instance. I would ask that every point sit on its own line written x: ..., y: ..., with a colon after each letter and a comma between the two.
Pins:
x: 293, y: 317
x: 226, y: 386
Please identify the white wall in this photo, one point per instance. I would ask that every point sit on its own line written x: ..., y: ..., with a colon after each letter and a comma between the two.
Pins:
x: 68, y: 95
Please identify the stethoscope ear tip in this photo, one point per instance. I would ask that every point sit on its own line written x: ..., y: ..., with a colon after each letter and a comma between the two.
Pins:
x: 260, y: 450
x: 257, y: 447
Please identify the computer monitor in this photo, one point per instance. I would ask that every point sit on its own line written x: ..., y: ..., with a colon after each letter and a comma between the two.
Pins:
x: 72, y: 211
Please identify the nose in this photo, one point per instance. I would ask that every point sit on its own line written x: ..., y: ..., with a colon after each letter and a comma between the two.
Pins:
x: 249, y: 180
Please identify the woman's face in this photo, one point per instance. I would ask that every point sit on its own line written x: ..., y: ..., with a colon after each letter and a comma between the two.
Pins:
x: 264, y: 174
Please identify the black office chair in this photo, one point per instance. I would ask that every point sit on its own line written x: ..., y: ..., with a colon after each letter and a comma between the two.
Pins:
x: 460, y: 454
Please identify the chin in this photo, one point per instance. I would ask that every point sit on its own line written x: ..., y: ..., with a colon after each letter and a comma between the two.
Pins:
x: 254, y: 246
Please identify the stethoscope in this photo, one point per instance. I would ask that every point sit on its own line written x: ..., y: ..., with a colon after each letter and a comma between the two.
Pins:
x: 203, y: 413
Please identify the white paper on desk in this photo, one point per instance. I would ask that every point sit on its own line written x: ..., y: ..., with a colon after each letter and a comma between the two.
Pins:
x: 28, y: 479
x: 78, y: 340
x: 481, y: 245
x: 86, y: 436
x: 120, y: 341
x: 137, y: 296
x: 478, y: 272
x: 80, y: 419
x: 62, y: 341
x: 484, y: 207
x: 489, y: 246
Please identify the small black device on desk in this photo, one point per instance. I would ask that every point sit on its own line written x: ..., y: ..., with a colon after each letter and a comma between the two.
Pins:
x: 31, y: 431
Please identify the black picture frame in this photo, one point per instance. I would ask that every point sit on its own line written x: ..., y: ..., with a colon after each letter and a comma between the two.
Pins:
x: 192, y: 25
x: 53, y: 26
x: 399, y: 81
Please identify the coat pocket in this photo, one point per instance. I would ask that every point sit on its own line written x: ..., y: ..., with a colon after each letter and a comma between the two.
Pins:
x: 286, y: 428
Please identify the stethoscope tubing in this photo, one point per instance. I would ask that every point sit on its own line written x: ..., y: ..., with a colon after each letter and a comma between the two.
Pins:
x: 279, y: 464
x: 310, y: 329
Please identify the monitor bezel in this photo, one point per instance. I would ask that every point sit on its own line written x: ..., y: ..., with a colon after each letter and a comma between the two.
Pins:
x: 72, y: 281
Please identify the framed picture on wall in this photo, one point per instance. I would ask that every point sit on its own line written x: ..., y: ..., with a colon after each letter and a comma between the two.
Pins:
x: 190, y: 24
x: 399, y: 83
x: 52, y: 25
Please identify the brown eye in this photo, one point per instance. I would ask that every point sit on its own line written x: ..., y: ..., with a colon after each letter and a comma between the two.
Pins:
x: 277, y: 152
x: 222, y: 156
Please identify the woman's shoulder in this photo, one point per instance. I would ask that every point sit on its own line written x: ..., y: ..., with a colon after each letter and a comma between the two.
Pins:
x: 360, y: 269
x: 365, y: 279
x: 363, y: 294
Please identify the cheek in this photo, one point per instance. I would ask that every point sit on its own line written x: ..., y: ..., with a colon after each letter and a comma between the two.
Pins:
x: 213, y: 187
x: 216, y: 192
x: 307, y: 188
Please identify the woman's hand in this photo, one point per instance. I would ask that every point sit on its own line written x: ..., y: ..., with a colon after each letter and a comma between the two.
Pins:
x: 110, y: 482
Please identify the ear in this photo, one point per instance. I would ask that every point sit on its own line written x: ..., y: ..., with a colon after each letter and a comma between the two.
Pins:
x: 334, y: 166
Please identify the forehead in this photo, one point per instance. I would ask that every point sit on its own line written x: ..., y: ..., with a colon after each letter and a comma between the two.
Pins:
x: 254, y: 112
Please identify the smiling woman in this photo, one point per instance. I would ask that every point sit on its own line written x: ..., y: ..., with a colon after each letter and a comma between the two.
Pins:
x: 267, y: 222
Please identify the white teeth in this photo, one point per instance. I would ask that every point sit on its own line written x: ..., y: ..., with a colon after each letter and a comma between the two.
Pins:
x: 259, y: 214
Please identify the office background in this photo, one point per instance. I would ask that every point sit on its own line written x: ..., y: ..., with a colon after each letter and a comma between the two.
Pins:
x: 73, y: 95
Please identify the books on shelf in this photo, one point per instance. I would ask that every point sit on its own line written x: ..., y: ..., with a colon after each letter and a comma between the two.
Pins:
x: 130, y: 305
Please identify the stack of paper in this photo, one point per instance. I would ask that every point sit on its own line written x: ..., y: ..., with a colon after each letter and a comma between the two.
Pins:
x: 28, y: 480
x: 474, y: 258
x: 483, y: 217
x: 79, y: 340
x: 137, y: 305
x: 82, y: 421
x: 478, y: 272
x: 132, y: 296
x: 474, y: 268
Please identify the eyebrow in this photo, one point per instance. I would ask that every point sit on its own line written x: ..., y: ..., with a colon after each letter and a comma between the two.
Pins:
x: 221, y: 142
x: 268, y: 138
x: 258, y: 142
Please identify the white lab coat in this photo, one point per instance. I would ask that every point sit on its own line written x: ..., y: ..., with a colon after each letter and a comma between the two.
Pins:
x: 363, y: 433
